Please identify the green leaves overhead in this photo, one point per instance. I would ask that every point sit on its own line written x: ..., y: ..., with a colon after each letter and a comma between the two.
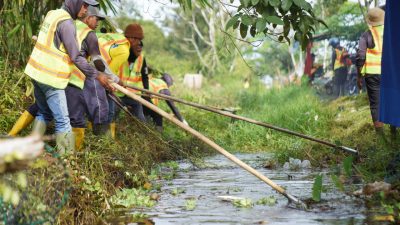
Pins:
x: 265, y: 17
x: 286, y: 4
x: 274, y: 20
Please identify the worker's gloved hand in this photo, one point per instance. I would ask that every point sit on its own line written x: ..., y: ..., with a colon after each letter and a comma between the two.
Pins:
x: 185, y: 122
x: 102, y: 78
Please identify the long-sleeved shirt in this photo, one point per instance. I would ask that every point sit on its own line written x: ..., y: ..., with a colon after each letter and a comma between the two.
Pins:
x: 366, y: 41
x: 90, y: 47
x: 66, y: 34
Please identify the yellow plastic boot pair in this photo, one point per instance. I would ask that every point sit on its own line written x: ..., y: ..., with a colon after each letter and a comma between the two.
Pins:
x: 23, y: 121
x: 79, y: 136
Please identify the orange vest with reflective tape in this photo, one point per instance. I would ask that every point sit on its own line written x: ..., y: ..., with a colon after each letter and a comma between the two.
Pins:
x: 373, y: 57
x: 156, y: 85
x: 338, y: 61
x: 48, y: 64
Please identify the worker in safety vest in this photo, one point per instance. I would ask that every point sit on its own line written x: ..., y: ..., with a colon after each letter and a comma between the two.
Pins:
x: 84, y: 96
x: 368, y: 61
x: 50, y: 67
x: 134, y: 71
x: 339, y: 55
x: 161, y: 85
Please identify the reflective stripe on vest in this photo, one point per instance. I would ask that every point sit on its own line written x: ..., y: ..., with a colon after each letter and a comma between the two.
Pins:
x: 156, y: 85
x: 47, y: 64
x: 338, y: 60
x: 108, y: 41
x: 130, y: 74
x: 374, y: 56
x: 77, y: 77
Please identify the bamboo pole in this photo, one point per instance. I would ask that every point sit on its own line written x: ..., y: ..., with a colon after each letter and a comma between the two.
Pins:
x: 212, y: 144
x: 228, y: 114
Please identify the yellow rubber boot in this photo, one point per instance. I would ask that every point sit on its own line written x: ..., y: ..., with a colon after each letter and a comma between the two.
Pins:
x: 79, y: 136
x: 23, y: 121
x: 113, y: 127
x: 89, y: 125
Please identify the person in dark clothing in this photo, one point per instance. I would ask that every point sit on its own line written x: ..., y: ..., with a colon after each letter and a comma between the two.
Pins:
x: 162, y: 86
x: 368, y: 61
x: 339, y: 55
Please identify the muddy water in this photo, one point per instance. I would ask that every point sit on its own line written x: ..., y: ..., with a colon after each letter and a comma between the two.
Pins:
x: 222, y: 177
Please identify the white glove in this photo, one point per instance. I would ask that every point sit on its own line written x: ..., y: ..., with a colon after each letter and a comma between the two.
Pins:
x: 185, y: 122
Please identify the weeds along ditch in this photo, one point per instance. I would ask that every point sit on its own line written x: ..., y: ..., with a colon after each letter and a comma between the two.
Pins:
x: 108, y: 174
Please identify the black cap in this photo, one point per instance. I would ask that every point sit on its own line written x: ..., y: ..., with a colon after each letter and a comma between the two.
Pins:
x: 94, y: 11
x: 91, y: 2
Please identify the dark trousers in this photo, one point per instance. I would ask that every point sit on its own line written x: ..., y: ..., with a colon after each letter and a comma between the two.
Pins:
x: 134, y: 107
x: 339, y: 81
x: 76, y: 106
x: 373, y: 83
x: 157, y: 118
x: 97, y: 105
x: 33, y: 109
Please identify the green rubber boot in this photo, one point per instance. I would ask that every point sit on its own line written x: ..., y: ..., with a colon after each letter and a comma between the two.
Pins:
x: 39, y: 127
x: 65, y: 142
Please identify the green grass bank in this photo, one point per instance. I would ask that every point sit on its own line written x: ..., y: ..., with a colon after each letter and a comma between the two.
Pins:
x: 104, y: 166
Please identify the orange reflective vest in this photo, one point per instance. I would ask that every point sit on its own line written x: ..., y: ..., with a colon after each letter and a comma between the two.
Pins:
x: 48, y: 64
x: 338, y: 61
x: 156, y: 85
x: 373, y: 57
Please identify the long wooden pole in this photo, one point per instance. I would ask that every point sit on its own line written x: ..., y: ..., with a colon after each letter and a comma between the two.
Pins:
x: 210, y: 143
x: 228, y: 114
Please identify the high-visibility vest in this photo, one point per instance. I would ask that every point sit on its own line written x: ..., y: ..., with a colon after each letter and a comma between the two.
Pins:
x: 114, y: 49
x: 373, y: 57
x: 156, y: 85
x: 48, y: 64
x: 130, y: 74
x: 338, y: 61
x: 77, y: 77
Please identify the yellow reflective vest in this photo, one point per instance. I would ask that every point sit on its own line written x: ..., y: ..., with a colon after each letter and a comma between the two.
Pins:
x: 338, y: 61
x: 77, y: 77
x: 374, y: 56
x: 48, y: 64
x: 114, y: 49
x: 131, y: 75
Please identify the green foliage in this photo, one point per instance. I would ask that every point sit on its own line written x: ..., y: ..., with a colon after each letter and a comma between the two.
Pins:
x: 337, y: 182
x: 177, y: 191
x: 347, y: 21
x: 243, y: 203
x: 131, y: 198
x: 190, y: 204
x: 20, y: 20
x: 261, y: 17
x: 347, y: 165
x: 317, y: 188
x: 270, y: 201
